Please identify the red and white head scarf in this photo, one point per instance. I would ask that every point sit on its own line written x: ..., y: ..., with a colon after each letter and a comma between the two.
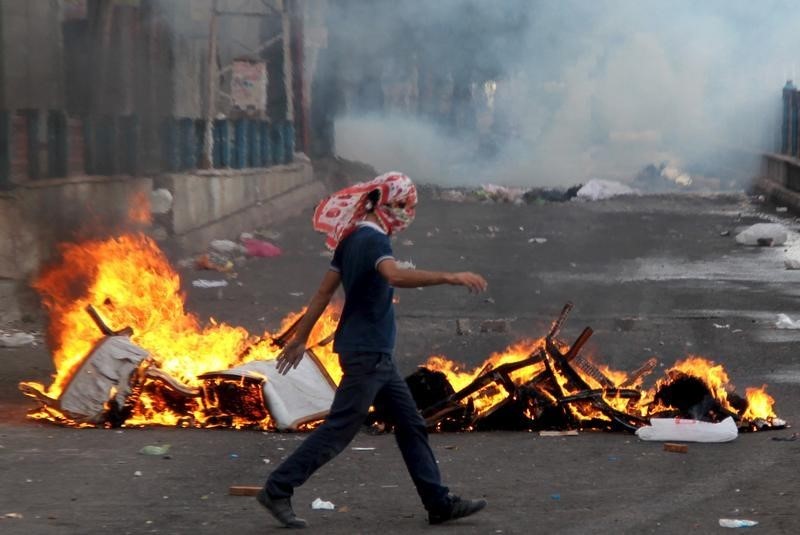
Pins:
x: 338, y: 215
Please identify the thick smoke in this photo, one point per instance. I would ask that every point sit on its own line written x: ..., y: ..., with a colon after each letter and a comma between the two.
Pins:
x: 553, y: 93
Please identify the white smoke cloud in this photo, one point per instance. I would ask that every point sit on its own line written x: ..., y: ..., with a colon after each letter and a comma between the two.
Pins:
x: 600, y: 89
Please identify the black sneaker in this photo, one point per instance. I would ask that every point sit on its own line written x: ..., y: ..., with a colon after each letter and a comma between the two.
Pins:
x: 459, y: 508
x: 281, y: 509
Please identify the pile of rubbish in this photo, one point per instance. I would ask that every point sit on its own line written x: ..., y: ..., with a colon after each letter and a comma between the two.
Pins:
x: 493, y: 193
x: 222, y: 255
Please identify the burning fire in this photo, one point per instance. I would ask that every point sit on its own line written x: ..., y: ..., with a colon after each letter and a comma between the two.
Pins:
x: 130, y: 283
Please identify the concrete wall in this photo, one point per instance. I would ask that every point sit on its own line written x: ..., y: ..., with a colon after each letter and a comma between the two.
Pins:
x: 222, y: 204
x: 38, y: 215
x: 35, y: 217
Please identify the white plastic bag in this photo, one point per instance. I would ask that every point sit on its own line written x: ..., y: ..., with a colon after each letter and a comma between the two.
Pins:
x: 319, y: 503
x: 771, y: 234
x: 598, y: 189
x: 667, y: 429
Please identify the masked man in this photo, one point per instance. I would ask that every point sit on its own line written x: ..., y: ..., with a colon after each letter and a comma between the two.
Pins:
x: 358, y: 222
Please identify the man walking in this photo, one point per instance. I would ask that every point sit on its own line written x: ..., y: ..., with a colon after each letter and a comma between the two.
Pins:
x: 358, y: 221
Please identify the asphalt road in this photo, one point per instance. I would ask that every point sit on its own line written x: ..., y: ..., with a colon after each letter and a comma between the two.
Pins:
x: 651, y: 276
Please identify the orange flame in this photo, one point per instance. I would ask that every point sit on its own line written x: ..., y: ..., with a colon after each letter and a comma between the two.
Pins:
x: 139, y: 209
x: 130, y: 283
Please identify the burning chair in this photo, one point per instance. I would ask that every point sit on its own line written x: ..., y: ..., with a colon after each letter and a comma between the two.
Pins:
x: 110, y: 381
x: 563, y: 390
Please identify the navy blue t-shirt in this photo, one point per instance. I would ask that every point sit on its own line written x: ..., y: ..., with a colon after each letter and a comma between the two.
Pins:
x: 367, y: 321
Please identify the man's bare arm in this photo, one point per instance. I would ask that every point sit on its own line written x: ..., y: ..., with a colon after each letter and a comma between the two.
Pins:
x: 417, y: 278
x: 293, y: 352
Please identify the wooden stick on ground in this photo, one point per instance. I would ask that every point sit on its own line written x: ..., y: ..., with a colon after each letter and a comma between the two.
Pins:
x: 243, y: 490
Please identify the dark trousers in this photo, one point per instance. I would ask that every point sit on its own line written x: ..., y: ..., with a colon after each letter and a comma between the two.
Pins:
x: 369, y: 379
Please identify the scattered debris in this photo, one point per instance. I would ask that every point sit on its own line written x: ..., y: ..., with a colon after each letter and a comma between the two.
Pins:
x: 214, y: 262
x: 505, y: 194
x: 688, y: 430
x: 453, y: 195
x: 790, y: 438
x: 791, y: 262
x: 407, y: 243
x: 763, y: 234
x: 13, y: 515
x: 319, y: 503
x: 463, y: 327
x: 785, y: 322
x: 267, y: 234
x: 718, y: 326
x: 597, y: 189
x: 676, y: 448
x: 537, y: 240
x: 362, y: 449
x: 661, y: 178
x: 494, y: 326
x: 226, y: 247
x: 781, y: 209
x: 296, y: 294
x: 542, y: 195
x: 262, y: 249
x: 137, y: 473
x: 205, y: 283
x: 155, y: 450
x: 16, y: 339
x: 725, y: 233
x: 566, y: 433
x: 406, y: 264
x: 736, y: 523
x: 496, y: 193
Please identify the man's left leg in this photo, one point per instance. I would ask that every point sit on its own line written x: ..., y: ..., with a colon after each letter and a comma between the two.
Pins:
x: 412, y: 438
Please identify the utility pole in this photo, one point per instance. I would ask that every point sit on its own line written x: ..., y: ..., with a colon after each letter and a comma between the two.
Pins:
x: 288, y: 70
x: 207, y: 159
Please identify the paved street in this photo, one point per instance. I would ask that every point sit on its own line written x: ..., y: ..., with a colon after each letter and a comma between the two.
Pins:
x: 651, y: 276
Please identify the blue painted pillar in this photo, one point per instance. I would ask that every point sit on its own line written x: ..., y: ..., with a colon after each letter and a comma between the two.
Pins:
x: 239, y: 144
x: 89, y: 163
x: 253, y: 143
x: 128, y: 129
x: 171, y: 155
x: 32, y: 118
x: 5, y: 150
x: 288, y: 139
x: 278, y: 145
x: 199, y: 140
x: 222, y: 145
x: 186, y: 139
x: 266, y: 156
x: 56, y: 143
x: 105, y: 145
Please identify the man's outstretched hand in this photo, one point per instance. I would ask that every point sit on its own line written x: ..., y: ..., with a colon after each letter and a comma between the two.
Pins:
x: 474, y: 282
x: 291, y: 356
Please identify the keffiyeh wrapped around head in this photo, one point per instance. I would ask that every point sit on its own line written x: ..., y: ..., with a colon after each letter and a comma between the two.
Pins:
x: 338, y: 215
